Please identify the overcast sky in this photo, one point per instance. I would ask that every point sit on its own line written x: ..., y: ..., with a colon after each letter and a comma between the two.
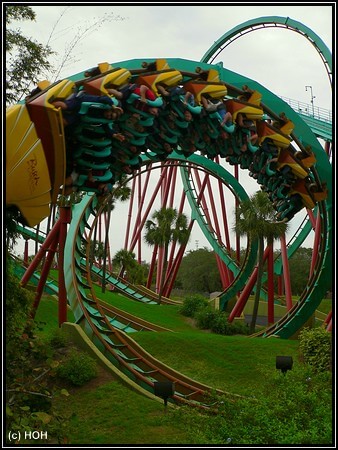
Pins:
x: 281, y: 60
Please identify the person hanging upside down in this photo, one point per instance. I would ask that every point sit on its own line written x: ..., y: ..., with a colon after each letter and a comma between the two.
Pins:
x: 70, y: 107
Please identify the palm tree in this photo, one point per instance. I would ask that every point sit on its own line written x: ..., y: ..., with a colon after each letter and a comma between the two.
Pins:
x: 125, y: 259
x: 256, y: 218
x: 167, y: 225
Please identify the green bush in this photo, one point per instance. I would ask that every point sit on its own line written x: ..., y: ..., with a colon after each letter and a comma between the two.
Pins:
x: 315, y: 348
x: 222, y: 326
x: 291, y: 409
x: 58, y: 339
x: 193, y: 304
x: 78, y: 368
x: 206, y: 318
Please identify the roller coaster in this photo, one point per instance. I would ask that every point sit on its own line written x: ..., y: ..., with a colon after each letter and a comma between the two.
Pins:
x: 278, y: 147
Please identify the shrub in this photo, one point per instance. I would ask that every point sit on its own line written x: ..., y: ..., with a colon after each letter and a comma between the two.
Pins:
x: 193, y: 304
x: 206, y: 317
x: 222, y: 326
x: 292, y: 409
x: 58, y: 339
x: 78, y: 368
x: 315, y: 348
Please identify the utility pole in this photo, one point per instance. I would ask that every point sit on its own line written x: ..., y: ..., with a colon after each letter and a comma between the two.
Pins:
x: 312, y: 98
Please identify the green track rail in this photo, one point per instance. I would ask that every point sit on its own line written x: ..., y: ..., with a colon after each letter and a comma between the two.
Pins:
x: 115, y: 344
x: 303, y: 136
x: 103, y: 329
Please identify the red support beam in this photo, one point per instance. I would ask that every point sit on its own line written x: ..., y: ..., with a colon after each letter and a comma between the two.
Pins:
x: 173, y: 186
x: 139, y: 246
x: 173, y: 246
x: 328, y: 148
x: 65, y: 217
x: 311, y: 217
x: 171, y: 276
x: 329, y: 326
x: 106, y: 223
x: 286, y: 273
x: 243, y: 298
x: 167, y: 170
x: 328, y: 317
x: 152, y: 267
x: 225, y: 277
x: 316, y: 245
x: 271, y: 295
x: 201, y: 198
x: 44, y: 274
x: 238, y: 239
x: 280, y: 285
x: 25, y: 254
x: 131, y: 201
x: 53, y: 234
x: 138, y: 229
x: 159, y: 272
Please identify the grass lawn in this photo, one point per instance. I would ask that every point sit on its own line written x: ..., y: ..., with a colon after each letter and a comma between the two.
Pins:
x: 104, y: 411
x: 47, y: 315
x: 229, y: 363
x: 111, y: 413
x: 167, y: 316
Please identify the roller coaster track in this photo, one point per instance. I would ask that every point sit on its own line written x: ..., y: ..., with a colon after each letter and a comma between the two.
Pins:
x: 96, y: 320
x: 305, y: 126
x: 118, y: 318
x: 318, y: 119
x: 294, y: 243
x: 271, y: 22
x: 273, y: 105
x: 241, y: 274
x: 116, y: 345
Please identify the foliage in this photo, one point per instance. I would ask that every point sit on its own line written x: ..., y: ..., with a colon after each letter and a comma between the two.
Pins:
x: 30, y: 368
x: 299, y: 265
x: 256, y: 217
x: 80, y: 31
x: 205, y: 318
x: 192, y: 304
x: 197, y: 307
x: 217, y: 322
x: 287, y: 411
x: 125, y: 259
x: 198, y: 272
x: 221, y: 325
x: 315, y: 346
x: 78, y: 368
x: 165, y: 226
x: 25, y: 58
x: 138, y: 274
x: 18, y: 305
x: 57, y: 339
x: 13, y: 217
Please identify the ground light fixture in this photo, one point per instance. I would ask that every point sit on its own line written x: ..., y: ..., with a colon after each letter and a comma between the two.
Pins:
x: 164, y: 389
x: 284, y: 363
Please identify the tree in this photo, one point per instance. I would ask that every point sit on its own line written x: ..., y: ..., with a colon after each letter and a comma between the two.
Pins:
x: 28, y: 61
x: 167, y: 225
x: 135, y: 273
x: 198, y: 272
x: 299, y: 265
x: 125, y: 259
x: 256, y: 218
x: 25, y: 58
